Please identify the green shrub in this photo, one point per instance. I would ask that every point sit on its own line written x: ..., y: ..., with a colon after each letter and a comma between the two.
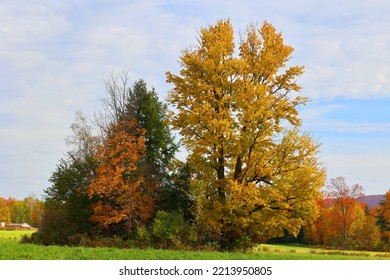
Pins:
x: 45, y: 238
x: 242, y: 243
x: 142, y: 237
x: 25, y: 239
x: 170, y: 230
x: 79, y: 239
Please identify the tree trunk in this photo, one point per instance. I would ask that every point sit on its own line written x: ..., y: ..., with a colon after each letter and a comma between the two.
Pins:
x: 238, y: 168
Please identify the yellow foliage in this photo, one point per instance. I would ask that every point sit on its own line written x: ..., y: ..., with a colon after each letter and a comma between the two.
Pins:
x: 253, y: 176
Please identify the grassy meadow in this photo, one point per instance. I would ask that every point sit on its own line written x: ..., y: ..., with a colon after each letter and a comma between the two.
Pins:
x: 11, y: 249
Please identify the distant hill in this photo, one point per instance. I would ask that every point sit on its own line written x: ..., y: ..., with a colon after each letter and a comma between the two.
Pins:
x: 372, y: 200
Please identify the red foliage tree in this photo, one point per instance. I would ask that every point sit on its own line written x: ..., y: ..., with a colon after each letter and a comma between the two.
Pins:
x: 121, y: 196
x: 345, y: 202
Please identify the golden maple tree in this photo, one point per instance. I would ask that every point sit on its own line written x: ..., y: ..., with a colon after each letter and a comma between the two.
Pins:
x: 119, y: 193
x: 256, y: 175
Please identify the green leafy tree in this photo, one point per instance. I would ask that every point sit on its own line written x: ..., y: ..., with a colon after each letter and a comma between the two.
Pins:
x: 383, y: 218
x: 36, y: 208
x: 67, y: 207
x: 175, y: 196
x: 20, y: 212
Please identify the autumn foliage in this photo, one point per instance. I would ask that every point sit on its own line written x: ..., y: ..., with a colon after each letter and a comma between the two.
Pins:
x: 120, y: 195
x: 251, y: 174
x: 28, y: 210
x: 256, y: 174
x: 343, y: 221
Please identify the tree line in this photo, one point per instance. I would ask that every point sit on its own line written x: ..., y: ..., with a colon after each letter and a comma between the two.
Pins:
x: 251, y: 174
x: 345, y: 222
x: 29, y: 210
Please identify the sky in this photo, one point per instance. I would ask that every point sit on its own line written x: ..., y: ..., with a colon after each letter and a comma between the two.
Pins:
x: 54, y: 56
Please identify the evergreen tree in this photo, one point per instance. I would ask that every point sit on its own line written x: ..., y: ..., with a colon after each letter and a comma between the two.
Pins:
x: 150, y: 113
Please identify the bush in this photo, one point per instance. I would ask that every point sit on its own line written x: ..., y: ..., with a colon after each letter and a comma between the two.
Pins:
x: 79, y: 239
x: 170, y: 230
x: 243, y: 243
x: 142, y: 238
x: 25, y: 239
x: 45, y: 238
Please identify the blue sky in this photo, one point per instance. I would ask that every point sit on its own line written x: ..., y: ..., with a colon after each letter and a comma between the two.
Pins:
x: 55, y: 54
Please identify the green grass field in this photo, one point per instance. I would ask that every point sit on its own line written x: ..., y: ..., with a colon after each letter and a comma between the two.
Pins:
x: 14, y: 234
x: 11, y: 249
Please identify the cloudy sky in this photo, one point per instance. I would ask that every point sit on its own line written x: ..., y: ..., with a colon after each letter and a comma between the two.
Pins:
x: 54, y: 56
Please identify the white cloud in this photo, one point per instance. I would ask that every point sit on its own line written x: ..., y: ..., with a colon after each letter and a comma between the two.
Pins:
x: 351, y: 62
x: 54, y: 54
x: 360, y: 161
x: 317, y: 112
x: 354, y: 127
x: 29, y: 23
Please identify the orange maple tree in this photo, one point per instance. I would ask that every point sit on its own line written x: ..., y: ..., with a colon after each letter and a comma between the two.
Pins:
x: 345, y: 203
x: 343, y: 220
x: 121, y: 196
x: 5, y: 214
